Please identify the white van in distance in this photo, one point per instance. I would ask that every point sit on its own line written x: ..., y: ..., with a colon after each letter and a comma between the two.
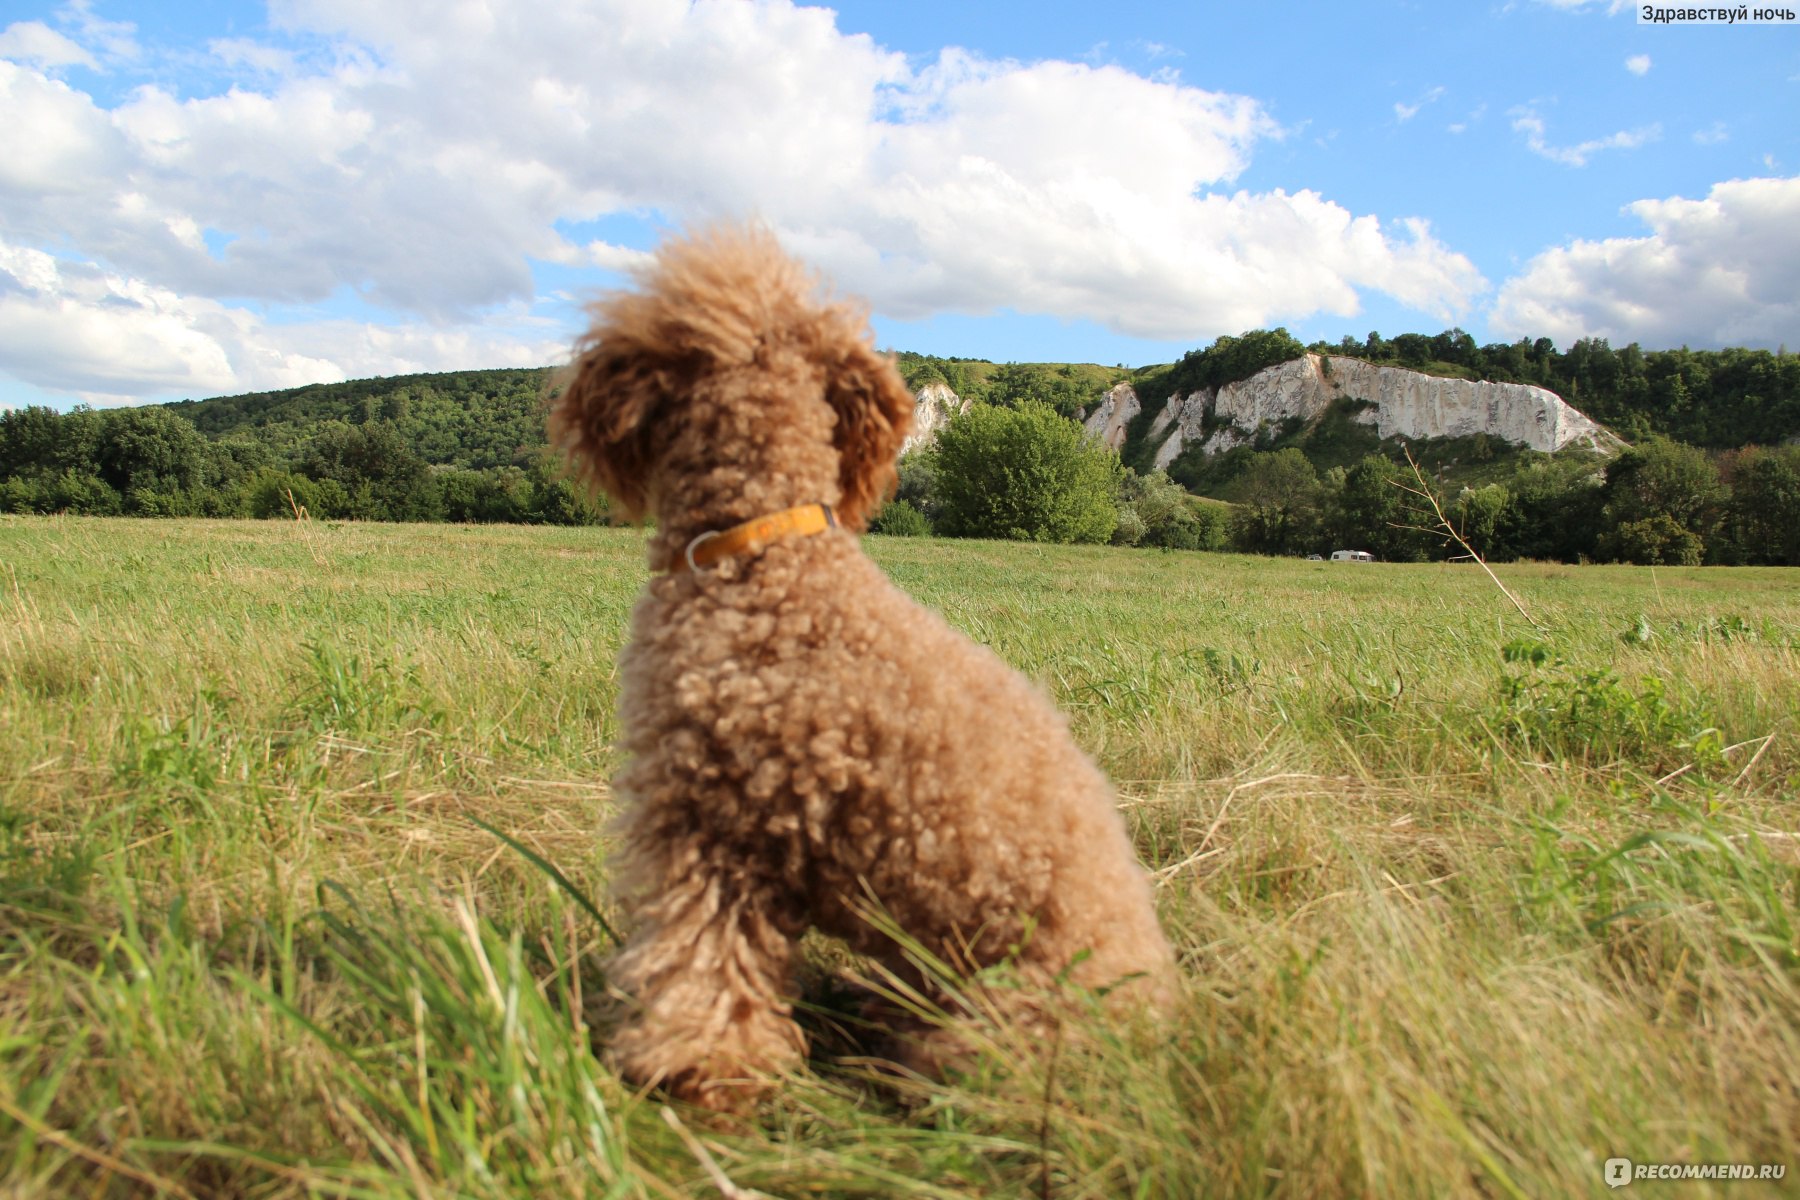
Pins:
x: 1352, y: 556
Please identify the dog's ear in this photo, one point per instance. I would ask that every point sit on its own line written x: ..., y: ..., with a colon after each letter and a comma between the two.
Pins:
x: 874, y: 412
x: 599, y: 418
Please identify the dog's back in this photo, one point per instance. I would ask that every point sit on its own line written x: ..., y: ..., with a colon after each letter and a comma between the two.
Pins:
x: 805, y: 742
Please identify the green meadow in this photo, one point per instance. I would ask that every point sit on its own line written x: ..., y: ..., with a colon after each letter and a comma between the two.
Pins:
x: 300, y: 826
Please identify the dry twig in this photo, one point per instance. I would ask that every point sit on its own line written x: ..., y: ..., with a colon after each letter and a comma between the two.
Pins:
x: 1443, y: 522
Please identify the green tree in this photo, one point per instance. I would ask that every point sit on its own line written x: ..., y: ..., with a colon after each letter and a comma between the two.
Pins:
x: 1130, y: 529
x: 1016, y: 385
x: 1278, y: 498
x: 1553, y: 513
x: 150, y: 450
x: 1374, y: 512
x: 1230, y: 359
x: 1654, y: 541
x: 555, y: 499
x: 35, y: 439
x: 1154, y: 510
x: 918, y: 482
x: 1649, y: 482
x: 385, y: 480
x: 1025, y: 474
x: 1763, y: 515
x: 1479, y: 515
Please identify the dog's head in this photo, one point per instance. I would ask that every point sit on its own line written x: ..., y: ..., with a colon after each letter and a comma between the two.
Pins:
x: 725, y: 331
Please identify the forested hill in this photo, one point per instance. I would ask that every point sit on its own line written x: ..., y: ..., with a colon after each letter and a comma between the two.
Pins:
x: 1717, y: 399
x: 470, y: 419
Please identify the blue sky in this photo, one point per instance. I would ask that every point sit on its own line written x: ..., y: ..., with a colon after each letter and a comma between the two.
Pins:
x: 219, y: 196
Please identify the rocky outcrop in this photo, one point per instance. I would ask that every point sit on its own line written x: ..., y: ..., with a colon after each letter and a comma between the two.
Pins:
x: 1110, y: 417
x: 1400, y: 403
x: 1182, y: 421
x: 933, y: 408
x: 1397, y: 402
x: 1411, y: 405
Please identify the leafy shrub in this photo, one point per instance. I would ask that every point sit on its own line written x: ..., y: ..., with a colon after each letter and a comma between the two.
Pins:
x: 1154, y: 510
x: 268, y: 495
x: 898, y: 518
x: 1656, y: 541
x: 1130, y: 530
x: 1024, y: 474
x: 918, y: 482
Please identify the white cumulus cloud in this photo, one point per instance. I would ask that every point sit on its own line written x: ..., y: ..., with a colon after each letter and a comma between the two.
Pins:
x: 1722, y: 271
x: 436, y: 150
x: 73, y: 328
x: 1638, y: 64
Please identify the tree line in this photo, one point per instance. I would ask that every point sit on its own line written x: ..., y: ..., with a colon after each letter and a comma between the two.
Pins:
x: 1658, y: 502
x: 1717, y: 399
x: 153, y: 462
x: 1027, y: 474
x: 469, y: 446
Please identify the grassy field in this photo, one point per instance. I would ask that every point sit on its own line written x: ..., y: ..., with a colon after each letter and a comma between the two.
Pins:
x: 1467, y: 903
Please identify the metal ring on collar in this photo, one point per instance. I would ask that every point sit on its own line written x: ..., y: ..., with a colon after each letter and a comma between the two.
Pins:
x: 711, y: 533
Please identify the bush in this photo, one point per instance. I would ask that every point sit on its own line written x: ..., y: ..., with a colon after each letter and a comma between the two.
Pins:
x: 497, y: 495
x: 1154, y: 510
x: 1655, y: 541
x: 918, y: 482
x: 1185, y: 529
x: 1551, y: 707
x: 81, y: 493
x: 898, y: 518
x: 1130, y: 530
x: 1025, y: 474
x: 267, y: 495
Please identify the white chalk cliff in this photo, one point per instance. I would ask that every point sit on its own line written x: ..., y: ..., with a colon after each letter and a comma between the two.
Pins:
x: 1397, y: 402
x: 1402, y: 403
x: 1114, y: 412
x: 933, y: 408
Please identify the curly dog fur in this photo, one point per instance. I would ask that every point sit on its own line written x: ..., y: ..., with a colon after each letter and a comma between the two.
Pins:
x: 800, y: 735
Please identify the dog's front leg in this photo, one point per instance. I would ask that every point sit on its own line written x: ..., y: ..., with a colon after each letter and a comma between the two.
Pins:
x: 706, y: 980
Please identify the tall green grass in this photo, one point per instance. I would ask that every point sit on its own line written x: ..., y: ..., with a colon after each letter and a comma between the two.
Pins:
x: 1466, y: 906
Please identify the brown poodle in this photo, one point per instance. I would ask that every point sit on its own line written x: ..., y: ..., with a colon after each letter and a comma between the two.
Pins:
x: 804, y: 741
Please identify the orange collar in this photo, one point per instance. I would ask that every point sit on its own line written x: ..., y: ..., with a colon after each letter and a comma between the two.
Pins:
x: 709, y: 547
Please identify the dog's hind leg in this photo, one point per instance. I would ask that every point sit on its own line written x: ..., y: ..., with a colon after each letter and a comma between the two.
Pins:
x: 706, y: 979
